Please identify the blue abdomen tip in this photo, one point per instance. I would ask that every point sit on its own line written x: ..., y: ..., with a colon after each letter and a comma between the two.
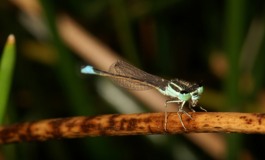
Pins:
x: 88, y: 70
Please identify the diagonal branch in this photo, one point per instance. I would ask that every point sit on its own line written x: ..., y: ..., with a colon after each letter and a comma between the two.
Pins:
x: 132, y: 124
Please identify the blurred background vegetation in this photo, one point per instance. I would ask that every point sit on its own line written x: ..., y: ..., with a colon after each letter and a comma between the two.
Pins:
x: 219, y: 42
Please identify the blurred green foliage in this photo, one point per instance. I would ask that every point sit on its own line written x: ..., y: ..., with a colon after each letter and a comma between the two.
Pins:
x: 6, y: 74
x: 172, y: 38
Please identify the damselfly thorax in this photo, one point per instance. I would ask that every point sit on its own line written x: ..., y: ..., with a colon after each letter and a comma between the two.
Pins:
x: 130, y: 77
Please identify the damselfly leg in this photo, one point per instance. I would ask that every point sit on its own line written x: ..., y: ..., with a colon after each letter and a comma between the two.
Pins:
x: 179, y: 112
x: 190, y: 107
x: 203, y: 109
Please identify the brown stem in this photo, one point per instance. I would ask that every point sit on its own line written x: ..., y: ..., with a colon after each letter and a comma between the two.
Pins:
x: 132, y: 124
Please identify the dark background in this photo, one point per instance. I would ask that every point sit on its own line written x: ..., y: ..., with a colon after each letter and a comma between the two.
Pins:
x: 213, y: 41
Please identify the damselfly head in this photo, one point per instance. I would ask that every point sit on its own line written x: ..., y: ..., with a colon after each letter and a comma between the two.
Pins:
x: 195, y: 95
x: 200, y: 90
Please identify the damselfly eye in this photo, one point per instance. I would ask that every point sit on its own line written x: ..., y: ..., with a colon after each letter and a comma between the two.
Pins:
x: 200, y: 90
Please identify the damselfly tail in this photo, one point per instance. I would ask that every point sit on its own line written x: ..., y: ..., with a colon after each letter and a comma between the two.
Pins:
x: 89, y: 70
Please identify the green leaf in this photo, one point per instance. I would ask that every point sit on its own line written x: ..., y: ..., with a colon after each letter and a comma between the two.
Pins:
x: 6, y: 72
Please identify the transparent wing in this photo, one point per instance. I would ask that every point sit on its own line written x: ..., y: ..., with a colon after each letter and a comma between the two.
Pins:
x: 146, y: 80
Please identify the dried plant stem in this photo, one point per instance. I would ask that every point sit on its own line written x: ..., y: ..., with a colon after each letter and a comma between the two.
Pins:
x: 132, y: 124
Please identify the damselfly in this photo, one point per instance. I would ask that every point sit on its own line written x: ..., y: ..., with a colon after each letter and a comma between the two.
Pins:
x: 130, y: 77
